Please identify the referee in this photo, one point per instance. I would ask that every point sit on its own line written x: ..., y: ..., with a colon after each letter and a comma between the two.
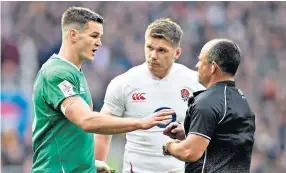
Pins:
x: 219, y: 125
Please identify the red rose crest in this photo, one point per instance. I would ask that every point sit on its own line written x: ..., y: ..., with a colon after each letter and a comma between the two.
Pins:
x: 185, y: 94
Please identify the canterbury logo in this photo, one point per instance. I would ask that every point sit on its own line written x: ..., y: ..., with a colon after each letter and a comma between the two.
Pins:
x: 138, y: 96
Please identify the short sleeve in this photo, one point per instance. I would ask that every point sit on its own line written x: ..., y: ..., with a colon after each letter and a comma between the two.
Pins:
x: 203, y: 121
x: 114, y: 98
x: 58, y: 86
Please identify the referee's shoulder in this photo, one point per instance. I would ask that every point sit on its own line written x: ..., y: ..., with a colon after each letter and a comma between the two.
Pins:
x: 210, y: 96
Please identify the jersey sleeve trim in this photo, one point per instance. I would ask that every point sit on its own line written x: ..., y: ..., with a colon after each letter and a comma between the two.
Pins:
x: 112, y: 109
x: 200, y: 134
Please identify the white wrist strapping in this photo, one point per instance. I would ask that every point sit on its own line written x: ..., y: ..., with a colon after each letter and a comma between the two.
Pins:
x: 101, y: 164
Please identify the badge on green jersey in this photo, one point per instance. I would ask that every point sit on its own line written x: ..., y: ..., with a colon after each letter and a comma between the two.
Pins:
x: 67, y: 88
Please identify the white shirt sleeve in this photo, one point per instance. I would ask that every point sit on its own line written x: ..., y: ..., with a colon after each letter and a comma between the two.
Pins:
x: 114, y: 98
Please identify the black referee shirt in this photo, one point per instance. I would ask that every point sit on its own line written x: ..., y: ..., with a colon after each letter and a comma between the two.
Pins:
x: 221, y: 114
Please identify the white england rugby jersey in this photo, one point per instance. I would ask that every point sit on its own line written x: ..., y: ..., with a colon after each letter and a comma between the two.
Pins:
x: 137, y: 93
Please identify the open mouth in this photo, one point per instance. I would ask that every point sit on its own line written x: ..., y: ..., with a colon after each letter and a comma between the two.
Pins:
x: 94, y: 50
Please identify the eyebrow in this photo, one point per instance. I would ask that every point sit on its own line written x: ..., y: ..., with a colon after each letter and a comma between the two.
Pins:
x: 149, y: 44
x: 163, y: 48
x: 96, y: 33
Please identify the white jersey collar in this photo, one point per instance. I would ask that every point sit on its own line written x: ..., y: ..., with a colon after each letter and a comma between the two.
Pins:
x: 156, y: 78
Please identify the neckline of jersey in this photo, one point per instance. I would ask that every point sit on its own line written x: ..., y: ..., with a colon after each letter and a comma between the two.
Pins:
x: 156, y: 78
x: 61, y: 58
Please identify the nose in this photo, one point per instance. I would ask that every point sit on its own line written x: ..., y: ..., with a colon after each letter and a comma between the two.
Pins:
x: 153, y: 54
x: 98, y: 42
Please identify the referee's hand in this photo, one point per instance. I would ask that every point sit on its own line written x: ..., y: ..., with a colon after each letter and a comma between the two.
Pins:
x: 175, y: 131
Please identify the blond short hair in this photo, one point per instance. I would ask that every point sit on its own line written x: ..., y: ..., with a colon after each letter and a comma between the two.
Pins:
x: 167, y: 29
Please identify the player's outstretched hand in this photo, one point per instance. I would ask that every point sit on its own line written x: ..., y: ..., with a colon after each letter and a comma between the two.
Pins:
x: 156, y: 118
x: 175, y: 131
x: 102, y: 167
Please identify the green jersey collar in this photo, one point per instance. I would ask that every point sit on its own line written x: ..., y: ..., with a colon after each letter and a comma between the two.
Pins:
x: 61, y: 58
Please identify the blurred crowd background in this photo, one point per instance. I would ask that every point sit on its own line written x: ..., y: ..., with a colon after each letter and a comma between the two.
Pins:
x: 31, y: 33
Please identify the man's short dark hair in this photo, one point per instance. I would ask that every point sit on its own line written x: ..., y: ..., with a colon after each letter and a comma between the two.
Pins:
x: 226, y: 54
x: 79, y: 17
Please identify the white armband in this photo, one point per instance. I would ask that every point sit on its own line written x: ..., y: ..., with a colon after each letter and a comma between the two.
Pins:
x: 63, y: 109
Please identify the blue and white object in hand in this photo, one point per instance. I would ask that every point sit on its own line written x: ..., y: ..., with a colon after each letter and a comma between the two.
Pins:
x: 174, y: 117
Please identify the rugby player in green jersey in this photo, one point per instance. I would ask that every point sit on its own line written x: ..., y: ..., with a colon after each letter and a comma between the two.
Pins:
x: 64, y: 122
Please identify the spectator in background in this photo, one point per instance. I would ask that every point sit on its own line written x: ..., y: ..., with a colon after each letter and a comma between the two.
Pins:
x: 14, y: 113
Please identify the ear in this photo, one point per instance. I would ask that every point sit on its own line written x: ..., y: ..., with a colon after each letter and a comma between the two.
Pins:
x: 73, y: 35
x: 213, y: 69
x: 178, y: 53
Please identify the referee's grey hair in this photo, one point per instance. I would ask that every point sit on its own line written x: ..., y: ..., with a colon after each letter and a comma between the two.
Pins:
x: 167, y: 29
x: 226, y: 54
x: 78, y: 17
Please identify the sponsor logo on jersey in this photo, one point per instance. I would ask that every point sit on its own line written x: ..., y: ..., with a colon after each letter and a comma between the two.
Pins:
x: 185, y: 94
x: 67, y: 88
x: 138, y: 97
